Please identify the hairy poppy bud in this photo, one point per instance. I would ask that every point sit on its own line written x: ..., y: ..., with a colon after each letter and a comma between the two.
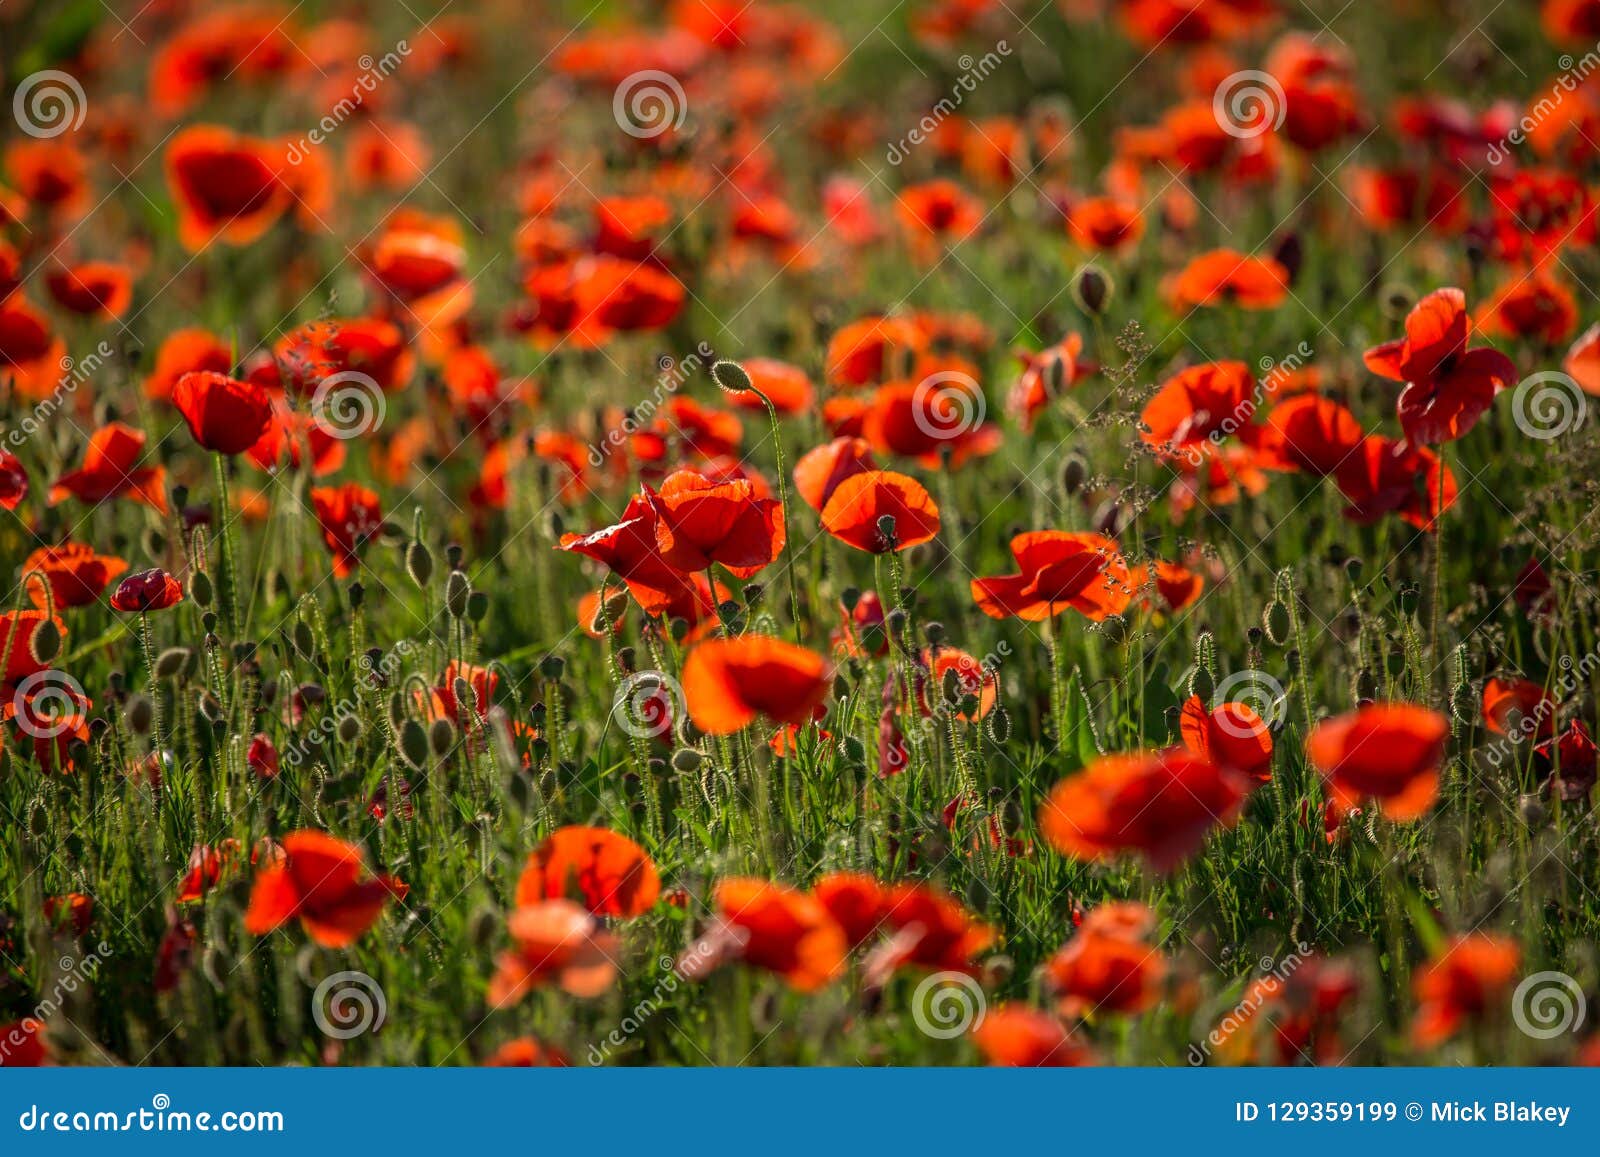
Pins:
x: 419, y: 563
x: 453, y: 554
x: 171, y: 661
x: 730, y: 376
x: 141, y: 713
x: 477, y: 606
x: 1092, y: 289
x: 441, y: 737
x: 45, y: 643
x: 200, y: 589
x: 1203, y: 686
x: 854, y: 750
x: 1463, y: 702
x: 414, y: 744
x: 1074, y: 473
x: 933, y: 632
x: 349, y: 728
x: 304, y: 641
x: 457, y: 588
x: 1275, y: 620
x: 687, y: 759
x: 551, y: 666
x: 849, y: 597
x: 999, y: 724
x: 358, y: 594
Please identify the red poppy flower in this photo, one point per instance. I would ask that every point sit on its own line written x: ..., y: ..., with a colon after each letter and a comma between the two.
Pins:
x: 76, y: 574
x: 820, y: 471
x: 348, y: 515
x: 555, y: 942
x: 629, y: 548
x: 699, y: 522
x: 53, y: 174
x: 856, y: 902
x: 928, y: 930
x: 31, y: 354
x: 17, y: 630
x: 526, y: 1053
x: 1320, y: 101
x: 1231, y: 735
x: 1226, y: 276
x: 13, y: 481
x: 1518, y: 708
x: 1199, y: 405
x: 938, y: 209
x: 186, y: 351
x: 100, y: 289
x: 1109, y: 966
x: 22, y: 1045
x: 1573, y: 760
x: 1309, y: 433
x: 772, y: 927
x: 147, y: 590
x: 225, y: 415
x: 1159, y: 804
x: 1383, y: 477
x: 933, y: 420
x: 1409, y: 198
x: 74, y: 911
x: 856, y: 510
x: 1390, y: 752
x: 728, y: 682
x: 1105, y: 224
x: 226, y: 186
x: 320, y: 350
x: 1013, y: 1036
x: 873, y: 349
x: 1465, y: 982
x: 1531, y: 305
x: 605, y: 871
x: 1571, y: 19
x: 206, y: 865
x: 1059, y: 367
x: 1448, y: 386
x: 318, y: 880
x: 109, y: 470
x: 1060, y: 570
x: 1176, y: 586
x: 703, y: 430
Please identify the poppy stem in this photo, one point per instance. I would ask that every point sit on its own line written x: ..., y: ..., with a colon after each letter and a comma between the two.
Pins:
x: 225, y: 591
x: 783, y: 504
x: 147, y: 641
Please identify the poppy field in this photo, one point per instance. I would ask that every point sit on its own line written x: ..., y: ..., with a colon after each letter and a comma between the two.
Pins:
x: 735, y: 532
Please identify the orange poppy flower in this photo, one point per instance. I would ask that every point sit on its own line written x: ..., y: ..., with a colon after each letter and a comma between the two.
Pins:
x: 1176, y: 586
x: 1465, y: 982
x: 1231, y: 735
x: 1390, y: 752
x: 1530, y: 305
x: 1448, y: 386
x: 873, y: 349
x: 526, y: 1053
x: 1013, y: 1036
x: 322, y: 349
x: 100, y: 289
x: 728, y: 682
x: 225, y: 415
x: 855, y: 900
x: 1382, y: 476
x: 1310, y: 433
x: 1060, y: 570
x: 318, y: 880
x: 931, y: 420
x: 53, y: 174
x: 1159, y: 804
x: 1105, y: 224
x: 1110, y: 965
x: 31, y: 354
x: 928, y: 930
x: 628, y: 548
x: 699, y: 522
x: 604, y: 870
x: 1518, y: 708
x: 820, y: 471
x: 772, y: 927
x: 855, y: 512
x: 186, y: 351
x: 936, y: 669
x: 226, y: 186
x: 1226, y: 276
x: 1201, y: 404
x: 555, y: 942
x: 1041, y: 372
x: 110, y: 470
x: 1582, y: 362
x: 76, y: 574
x: 348, y: 515
x: 938, y: 210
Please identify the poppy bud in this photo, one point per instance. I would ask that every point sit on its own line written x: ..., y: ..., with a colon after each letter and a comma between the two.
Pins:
x: 414, y: 744
x: 154, y: 543
x: 453, y: 553
x: 477, y: 606
x: 38, y: 820
x: 484, y: 927
x: 1074, y: 473
x: 934, y: 633
x: 1055, y: 374
x: 1353, y: 567
x: 752, y: 594
x: 304, y: 641
x: 1203, y: 686
x: 141, y: 713
x: 1366, y: 685
x: 419, y: 563
x: 1253, y: 636
x: 171, y: 661
x: 358, y: 594
x: 520, y: 789
x: 686, y: 759
x: 1463, y: 702
x: 551, y: 666
x: 441, y: 737
x: 349, y: 728
x: 849, y: 597
x: 679, y: 627
x: 1173, y: 718
x: 1275, y: 620
x: 730, y: 376
x: 896, y: 620
x: 854, y: 750
x: 950, y: 687
x: 627, y: 660
x: 841, y: 688
x: 999, y: 724
x: 1410, y: 598
x: 1092, y: 289
x: 45, y: 644
x: 200, y: 588
x: 457, y: 588
x: 1395, y: 662
x: 462, y: 691
x: 968, y: 705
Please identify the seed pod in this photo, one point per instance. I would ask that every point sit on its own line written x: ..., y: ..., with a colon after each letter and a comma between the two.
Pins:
x: 171, y: 661
x: 453, y: 553
x: 349, y: 728
x: 730, y: 376
x: 1093, y: 290
x: 414, y: 744
x: 886, y: 527
x: 200, y: 589
x: 441, y: 737
x: 457, y: 589
x: 419, y: 563
x: 1277, y: 623
x: 687, y: 759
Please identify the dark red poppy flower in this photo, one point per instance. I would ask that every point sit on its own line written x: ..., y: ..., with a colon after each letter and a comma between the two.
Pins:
x: 1572, y: 758
x: 1309, y: 433
x: 22, y: 1045
x: 110, y: 470
x: 1059, y: 570
x: 319, y: 881
x: 1390, y: 752
x: 147, y: 590
x: 101, y: 289
x: 1383, y: 477
x: 74, y: 912
x: 225, y: 415
x: 227, y: 186
x: 856, y: 511
x: 1448, y: 385
x: 348, y: 515
x: 13, y: 481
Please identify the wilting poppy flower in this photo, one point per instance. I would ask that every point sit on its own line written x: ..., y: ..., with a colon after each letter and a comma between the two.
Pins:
x: 147, y: 590
x: 226, y: 186
x: 1572, y: 758
x: 699, y: 522
x: 1060, y: 570
x: 318, y: 880
x: 186, y: 351
x: 100, y: 289
x: 348, y: 515
x: 604, y: 870
x: 1231, y: 735
x: 856, y: 510
x: 13, y: 481
x: 76, y: 574
x: 1382, y: 477
x: 1109, y: 965
x: 1226, y: 276
x: 225, y: 415
x: 772, y: 927
x: 820, y: 471
x: 109, y: 470
x: 1466, y: 981
x: 1013, y: 1036
x: 1518, y: 708
x: 1390, y: 752
x: 1448, y: 386
x: 1201, y: 404
x: 555, y: 942
x: 31, y: 354
x: 1159, y: 804
x: 728, y: 682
